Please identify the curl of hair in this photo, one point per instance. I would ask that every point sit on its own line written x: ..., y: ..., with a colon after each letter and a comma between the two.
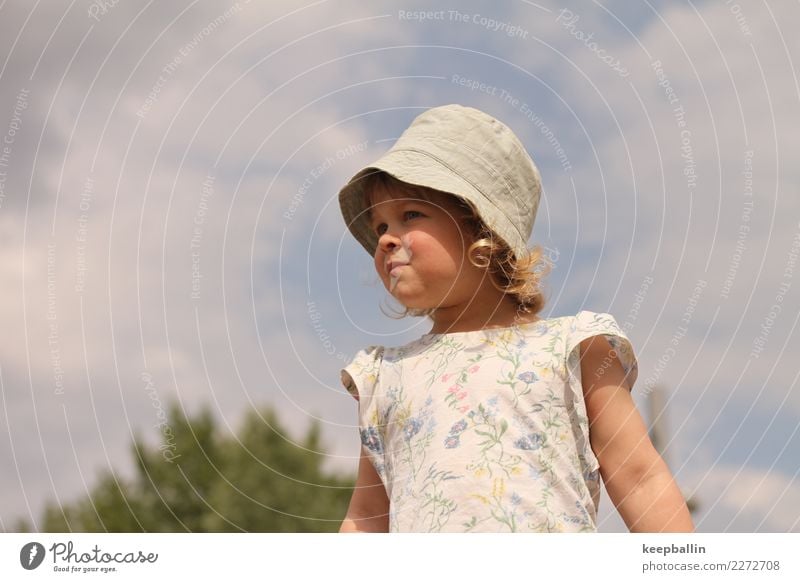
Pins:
x: 520, y: 278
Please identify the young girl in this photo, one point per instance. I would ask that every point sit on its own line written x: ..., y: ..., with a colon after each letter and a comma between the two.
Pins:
x: 496, y: 420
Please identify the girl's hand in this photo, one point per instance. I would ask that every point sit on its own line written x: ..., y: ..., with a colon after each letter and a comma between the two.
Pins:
x: 637, y: 479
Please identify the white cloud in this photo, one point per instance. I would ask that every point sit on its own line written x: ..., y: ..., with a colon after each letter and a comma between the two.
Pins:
x: 731, y: 499
x: 748, y: 499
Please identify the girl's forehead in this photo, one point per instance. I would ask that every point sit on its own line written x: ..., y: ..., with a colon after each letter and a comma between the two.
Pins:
x: 382, y: 193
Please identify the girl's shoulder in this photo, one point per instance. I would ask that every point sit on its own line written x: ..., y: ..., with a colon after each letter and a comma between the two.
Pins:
x: 429, y: 341
x: 570, y: 327
x: 362, y: 371
x: 593, y: 323
x: 587, y: 324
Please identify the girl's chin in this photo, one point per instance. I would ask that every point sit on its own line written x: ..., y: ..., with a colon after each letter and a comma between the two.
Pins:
x: 409, y: 301
x: 414, y: 298
x: 417, y: 305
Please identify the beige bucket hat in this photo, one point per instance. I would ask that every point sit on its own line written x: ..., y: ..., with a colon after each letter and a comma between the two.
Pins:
x: 465, y: 152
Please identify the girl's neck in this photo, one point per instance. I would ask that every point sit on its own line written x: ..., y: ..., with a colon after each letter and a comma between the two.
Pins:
x: 478, y: 315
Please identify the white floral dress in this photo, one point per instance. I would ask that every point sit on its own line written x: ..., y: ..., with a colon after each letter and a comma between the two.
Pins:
x: 485, y: 430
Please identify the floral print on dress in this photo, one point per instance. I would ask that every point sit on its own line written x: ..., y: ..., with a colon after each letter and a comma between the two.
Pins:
x: 371, y: 439
x: 452, y: 439
x: 530, y: 442
x: 485, y: 430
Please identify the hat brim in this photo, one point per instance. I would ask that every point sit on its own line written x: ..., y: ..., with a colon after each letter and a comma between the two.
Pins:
x: 421, y: 169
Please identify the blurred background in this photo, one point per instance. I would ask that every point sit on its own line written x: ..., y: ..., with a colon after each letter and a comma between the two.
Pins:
x: 179, y: 291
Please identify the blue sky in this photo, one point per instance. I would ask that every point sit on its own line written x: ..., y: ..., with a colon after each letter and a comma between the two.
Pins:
x: 664, y: 141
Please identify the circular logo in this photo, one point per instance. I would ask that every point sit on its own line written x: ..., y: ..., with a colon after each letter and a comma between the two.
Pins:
x: 31, y: 555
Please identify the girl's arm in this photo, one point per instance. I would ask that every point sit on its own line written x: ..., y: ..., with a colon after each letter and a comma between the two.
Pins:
x: 637, y: 479
x: 369, y: 505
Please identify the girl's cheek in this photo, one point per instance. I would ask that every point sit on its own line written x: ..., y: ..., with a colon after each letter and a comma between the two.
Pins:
x: 404, y: 253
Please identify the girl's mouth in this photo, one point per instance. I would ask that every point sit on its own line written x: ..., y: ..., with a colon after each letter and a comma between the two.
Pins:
x: 399, y: 259
x: 394, y: 269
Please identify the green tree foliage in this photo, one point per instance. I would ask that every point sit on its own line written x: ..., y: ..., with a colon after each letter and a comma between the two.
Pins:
x: 200, y: 479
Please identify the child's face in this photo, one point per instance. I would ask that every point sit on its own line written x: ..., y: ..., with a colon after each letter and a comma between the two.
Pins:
x: 422, y: 250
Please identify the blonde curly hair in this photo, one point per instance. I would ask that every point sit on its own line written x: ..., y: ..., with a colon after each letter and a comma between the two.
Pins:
x: 519, y: 278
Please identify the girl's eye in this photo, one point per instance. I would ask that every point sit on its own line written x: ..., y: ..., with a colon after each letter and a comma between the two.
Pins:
x: 407, y: 215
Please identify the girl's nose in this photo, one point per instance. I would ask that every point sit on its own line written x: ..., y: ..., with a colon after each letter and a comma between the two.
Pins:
x: 388, y: 242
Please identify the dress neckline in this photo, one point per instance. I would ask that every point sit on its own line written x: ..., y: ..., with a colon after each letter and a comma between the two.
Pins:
x: 489, y: 330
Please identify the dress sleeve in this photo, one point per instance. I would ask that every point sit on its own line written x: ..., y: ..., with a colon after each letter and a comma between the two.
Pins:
x: 360, y: 376
x: 361, y: 379
x: 588, y: 324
